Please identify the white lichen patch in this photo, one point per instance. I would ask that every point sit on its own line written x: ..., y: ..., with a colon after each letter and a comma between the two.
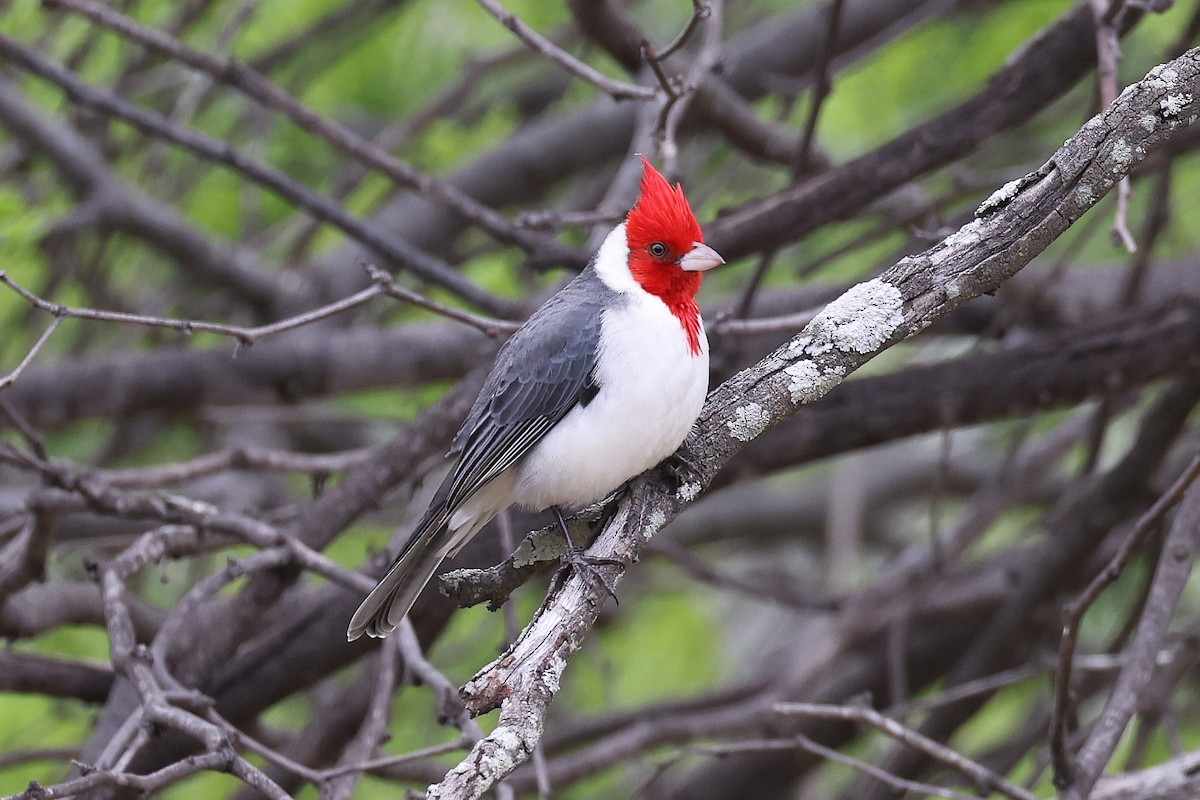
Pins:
x: 688, y: 492
x: 1173, y: 104
x: 804, y: 380
x: 542, y: 546
x: 504, y: 757
x: 953, y: 288
x: 748, y: 421
x: 965, y: 235
x: 654, y: 523
x: 1122, y: 156
x: 1148, y: 121
x: 1000, y: 198
x: 1085, y: 193
x: 859, y: 321
x: 1165, y: 73
x: 806, y: 344
x: 552, y: 675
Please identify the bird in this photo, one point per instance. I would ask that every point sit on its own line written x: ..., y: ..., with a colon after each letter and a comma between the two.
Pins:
x: 604, y: 381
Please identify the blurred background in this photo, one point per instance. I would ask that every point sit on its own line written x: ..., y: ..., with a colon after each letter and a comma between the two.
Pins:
x: 179, y: 182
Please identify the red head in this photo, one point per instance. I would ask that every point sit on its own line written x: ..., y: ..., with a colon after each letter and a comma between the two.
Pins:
x: 667, y: 254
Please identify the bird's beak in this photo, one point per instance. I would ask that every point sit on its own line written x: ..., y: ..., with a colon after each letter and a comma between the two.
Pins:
x: 700, y: 258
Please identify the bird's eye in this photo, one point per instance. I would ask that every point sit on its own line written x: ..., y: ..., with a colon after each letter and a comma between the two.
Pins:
x: 657, y: 249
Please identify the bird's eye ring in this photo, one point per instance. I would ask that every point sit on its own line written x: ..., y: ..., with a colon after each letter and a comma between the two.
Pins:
x: 657, y: 249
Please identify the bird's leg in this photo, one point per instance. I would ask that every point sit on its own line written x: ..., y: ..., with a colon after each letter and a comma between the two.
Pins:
x: 684, y: 467
x: 583, y: 564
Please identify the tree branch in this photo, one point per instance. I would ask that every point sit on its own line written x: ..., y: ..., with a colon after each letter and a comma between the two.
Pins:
x: 1174, y: 567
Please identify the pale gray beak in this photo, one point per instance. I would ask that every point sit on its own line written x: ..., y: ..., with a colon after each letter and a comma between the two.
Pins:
x: 700, y: 258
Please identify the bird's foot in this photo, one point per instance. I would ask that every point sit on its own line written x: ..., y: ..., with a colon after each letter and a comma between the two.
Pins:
x: 585, y: 566
x: 684, y: 467
x: 588, y: 568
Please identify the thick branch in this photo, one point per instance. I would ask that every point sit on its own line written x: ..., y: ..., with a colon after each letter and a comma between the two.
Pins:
x: 294, y: 367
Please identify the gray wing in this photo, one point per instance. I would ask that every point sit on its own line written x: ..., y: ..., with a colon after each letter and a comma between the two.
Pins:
x: 540, y: 374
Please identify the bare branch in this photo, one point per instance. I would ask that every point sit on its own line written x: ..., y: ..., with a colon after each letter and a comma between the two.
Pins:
x: 701, y: 11
x: 384, y: 285
x: 1047, y: 66
x: 11, y: 377
x: 985, y: 779
x: 244, y: 78
x: 1073, y: 614
x: 244, y: 336
x: 805, y: 743
x: 618, y: 90
x: 1107, y: 56
x: 374, y: 727
x: 397, y: 251
x: 107, y: 200
x: 1178, y: 554
x: 821, y: 88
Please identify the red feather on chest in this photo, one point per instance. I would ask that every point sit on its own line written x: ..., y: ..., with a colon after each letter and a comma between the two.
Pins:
x: 676, y: 288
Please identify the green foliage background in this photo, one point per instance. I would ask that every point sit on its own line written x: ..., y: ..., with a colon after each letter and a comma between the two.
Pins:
x: 668, y: 646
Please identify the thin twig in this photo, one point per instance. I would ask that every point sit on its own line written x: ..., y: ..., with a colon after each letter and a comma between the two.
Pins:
x: 487, y: 325
x: 145, y: 784
x: 450, y: 706
x: 679, y: 95
x: 399, y: 251
x: 821, y: 89
x: 252, y: 83
x: 376, y: 764
x: 700, y: 12
x: 177, y: 510
x: 1108, y: 53
x: 397, y: 135
x: 235, y: 458
x: 668, y: 84
x: 785, y: 323
x: 983, y: 777
x: 801, y: 741
x: 785, y: 594
x: 618, y: 90
x: 1156, y: 222
x: 244, y: 336
x: 1171, y: 573
x: 986, y: 685
x: 11, y: 378
x: 374, y: 725
x: 14, y: 757
x: 1073, y: 615
x: 255, y: 746
x: 384, y: 285
x: 546, y: 219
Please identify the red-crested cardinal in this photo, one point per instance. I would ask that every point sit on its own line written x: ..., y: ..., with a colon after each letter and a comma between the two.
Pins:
x: 603, y: 382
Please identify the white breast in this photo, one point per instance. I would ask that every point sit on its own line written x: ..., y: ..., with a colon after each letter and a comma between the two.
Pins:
x: 651, y: 390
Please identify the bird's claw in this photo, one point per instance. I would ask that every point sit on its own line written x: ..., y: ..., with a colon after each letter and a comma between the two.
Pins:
x: 587, y: 568
x: 683, y: 466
